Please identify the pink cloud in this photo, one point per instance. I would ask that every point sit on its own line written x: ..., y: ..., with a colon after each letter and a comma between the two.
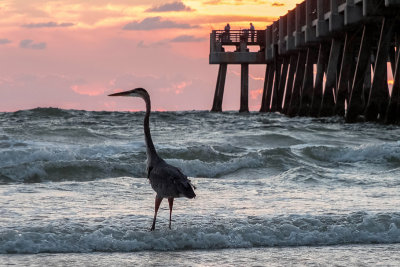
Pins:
x: 89, y: 89
x: 181, y: 86
x: 251, y: 76
x: 155, y: 23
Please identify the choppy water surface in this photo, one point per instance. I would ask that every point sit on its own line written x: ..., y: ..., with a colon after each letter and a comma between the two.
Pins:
x: 267, y: 185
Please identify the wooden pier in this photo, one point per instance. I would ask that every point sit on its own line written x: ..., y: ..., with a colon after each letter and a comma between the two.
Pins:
x: 323, y: 58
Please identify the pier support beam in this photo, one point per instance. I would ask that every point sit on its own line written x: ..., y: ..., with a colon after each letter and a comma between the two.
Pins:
x: 289, y: 83
x: 356, y: 102
x: 328, y: 101
x: 392, y: 58
x: 219, y: 89
x: 367, y: 82
x: 244, y: 89
x: 308, y: 83
x: 379, y: 93
x: 268, y: 83
x: 282, y: 82
x: 277, y: 78
x: 263, y: 107
x: 346, y: 72
x: 268, y: 89
x: 298, y: 80
x: 393, y: 111
x: 323, y: 55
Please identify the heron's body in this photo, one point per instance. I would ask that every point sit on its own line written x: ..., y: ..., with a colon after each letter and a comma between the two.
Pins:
x: 169, y: 182
x: 166, y: 180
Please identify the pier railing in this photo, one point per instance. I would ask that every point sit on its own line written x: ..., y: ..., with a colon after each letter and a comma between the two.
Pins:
x: 234, y: 37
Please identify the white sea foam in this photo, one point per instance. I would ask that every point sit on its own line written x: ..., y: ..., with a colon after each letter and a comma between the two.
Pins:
x: 295, y: 230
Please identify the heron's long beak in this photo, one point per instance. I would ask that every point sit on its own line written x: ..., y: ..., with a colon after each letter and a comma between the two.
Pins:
x: 126, y: 93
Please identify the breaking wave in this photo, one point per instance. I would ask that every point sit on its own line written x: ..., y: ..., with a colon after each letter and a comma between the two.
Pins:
x: 50, y: 144
x: 49, y: 163
x: 294, y: 230
x: 22, y: 161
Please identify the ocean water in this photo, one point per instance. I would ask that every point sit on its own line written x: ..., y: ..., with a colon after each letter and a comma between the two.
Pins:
x: 271, y: 190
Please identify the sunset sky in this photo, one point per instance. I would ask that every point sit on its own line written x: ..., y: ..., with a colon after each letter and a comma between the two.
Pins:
x: 71, y: 54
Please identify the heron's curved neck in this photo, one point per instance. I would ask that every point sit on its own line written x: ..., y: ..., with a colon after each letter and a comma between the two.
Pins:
x: 151, y: 150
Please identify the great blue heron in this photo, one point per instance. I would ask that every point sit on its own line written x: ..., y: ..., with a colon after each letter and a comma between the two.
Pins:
x: 167, y: 180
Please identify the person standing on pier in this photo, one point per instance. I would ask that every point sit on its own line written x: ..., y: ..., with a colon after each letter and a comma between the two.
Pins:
x: 252, y: 30
x: 227, y: 32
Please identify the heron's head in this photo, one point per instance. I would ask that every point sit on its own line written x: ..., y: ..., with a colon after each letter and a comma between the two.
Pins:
x: 137, y: 92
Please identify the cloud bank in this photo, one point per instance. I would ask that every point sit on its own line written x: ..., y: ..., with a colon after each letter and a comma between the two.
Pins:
x: 170, y: 7
x: 154, y: 23
x: 187, y: 39
x: 30, y: 44
x: 4, y: 41
x: 49, y: 24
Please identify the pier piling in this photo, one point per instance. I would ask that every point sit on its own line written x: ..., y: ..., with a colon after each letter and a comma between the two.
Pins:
x: 357, y: 99
x: 352, y: 41
x: 379, y: 92
x: 393, y: 111
x: 219, y: 89
x: 308, y: 83
x: 289, y: 83
x: 277, y: 78
x: 263, y: 107
x: 328, y: 101
x: 323, y: 55
x: 297, y: 83
x: 282, y: 82
x: 244, y: 88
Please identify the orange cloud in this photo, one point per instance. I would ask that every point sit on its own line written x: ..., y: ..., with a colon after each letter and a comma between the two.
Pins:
x: 235, y: 2
x: 256, y: 78
x: 254, y: 94
x: 234, y: 72
x: 205, y: 19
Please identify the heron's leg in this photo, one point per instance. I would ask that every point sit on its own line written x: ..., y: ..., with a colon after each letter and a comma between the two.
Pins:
x: 157, y: 205
x: 171, y: 203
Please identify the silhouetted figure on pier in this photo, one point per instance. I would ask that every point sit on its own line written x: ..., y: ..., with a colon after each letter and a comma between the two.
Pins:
x: 227, y: 32
x: 252, y: 31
